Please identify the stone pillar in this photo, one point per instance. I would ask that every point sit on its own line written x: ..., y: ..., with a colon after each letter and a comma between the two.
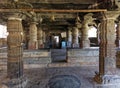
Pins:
x: 107, y: 57
x: 44, y: 38
x: 75, y: 34
x: 40, y: 38
x: 80, y: 38
x: 85, y: 42
x: 25, y: 38
x: 69, y: 40
x: 118, y: 35
x: 85, y: 39
x: 15, y: 50
x: 33, y: 43
x: 98, y: 34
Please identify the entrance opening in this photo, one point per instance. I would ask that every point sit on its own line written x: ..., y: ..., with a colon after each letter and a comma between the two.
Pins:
x: 58, y: 50
x: 93, y: 37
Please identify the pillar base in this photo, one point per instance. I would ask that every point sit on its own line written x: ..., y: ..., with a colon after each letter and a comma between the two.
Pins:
x: 85, y: 44
x: 15, y: 83
x: 74, y: 45
x: 107, y: 81
x: 33, y: 45
x: 41, y: 46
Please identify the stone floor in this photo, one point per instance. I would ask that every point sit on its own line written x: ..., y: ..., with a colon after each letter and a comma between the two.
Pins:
x: 40, y: 77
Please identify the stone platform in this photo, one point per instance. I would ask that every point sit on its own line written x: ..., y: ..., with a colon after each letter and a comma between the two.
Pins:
x: 84, y: 57
x: 42, y: 58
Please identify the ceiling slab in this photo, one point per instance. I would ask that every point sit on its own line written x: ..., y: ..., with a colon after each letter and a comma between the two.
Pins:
x: 63, y: 1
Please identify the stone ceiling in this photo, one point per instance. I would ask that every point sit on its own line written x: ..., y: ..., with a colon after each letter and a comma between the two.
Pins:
x: 61, y: 19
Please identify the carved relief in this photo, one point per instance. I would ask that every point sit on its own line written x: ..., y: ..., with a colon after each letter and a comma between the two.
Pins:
x: 87, y: 20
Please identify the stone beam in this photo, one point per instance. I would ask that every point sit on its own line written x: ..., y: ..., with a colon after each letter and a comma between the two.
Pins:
x: 63, y: 1
x: 57, y: 15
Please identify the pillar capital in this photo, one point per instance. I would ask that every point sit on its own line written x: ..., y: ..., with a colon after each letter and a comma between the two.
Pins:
x: 110, y: 15
x: 15, y: 18
x: 88, y: 18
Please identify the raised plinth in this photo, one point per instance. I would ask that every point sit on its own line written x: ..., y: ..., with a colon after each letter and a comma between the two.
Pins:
x: 84, y: 57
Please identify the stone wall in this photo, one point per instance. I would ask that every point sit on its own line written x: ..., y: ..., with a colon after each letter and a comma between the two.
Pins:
x: 42, y: 58
x: 32, y: 58
x: 85, y: 57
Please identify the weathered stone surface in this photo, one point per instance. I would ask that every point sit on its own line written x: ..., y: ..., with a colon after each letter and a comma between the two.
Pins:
x: 64, y: 81
x: 33, y: 43
x: 75, y: 34
x: 85, y: 43
x: 15, y: 83
x: 109, y: 81
x: 76, y: 57
x: 40, y: 36
x: 15, y: 50
x: 107, y: 57
x: 41, y: 60
x: 83, y: 56
x: 118, y: 59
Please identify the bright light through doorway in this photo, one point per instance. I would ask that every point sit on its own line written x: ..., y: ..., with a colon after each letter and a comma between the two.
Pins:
x: 92, y: 32
x: 3, y: 31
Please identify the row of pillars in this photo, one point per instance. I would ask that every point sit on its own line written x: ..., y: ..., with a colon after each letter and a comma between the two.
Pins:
x: 74, y: 36
x: 36, y: 37
x: 107, y: 57
x: 15, y: 41
x: 80, y: 31
x: 15, y: 44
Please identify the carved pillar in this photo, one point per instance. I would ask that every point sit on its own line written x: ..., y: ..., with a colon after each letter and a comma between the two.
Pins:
x: 75, y: 37
x: 33, y: 43
x: 44, y: 38
x: 85, y: 39
x: 85, y: 43
x: 40, y: 38
x: 98, y: 34
x: 80, y: 38
x: 15, y: 50
x: 69, y: 37
x: 107, y: 56
x: 118, y: 35
x: 25, y: 38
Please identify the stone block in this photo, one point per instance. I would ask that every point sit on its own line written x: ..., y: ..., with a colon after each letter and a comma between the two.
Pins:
x: 83, y: 52
x: 41, y: 60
